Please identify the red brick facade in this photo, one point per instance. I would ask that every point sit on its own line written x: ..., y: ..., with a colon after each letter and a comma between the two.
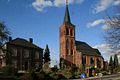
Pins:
x: 67, y: 42
x: 71, y: 53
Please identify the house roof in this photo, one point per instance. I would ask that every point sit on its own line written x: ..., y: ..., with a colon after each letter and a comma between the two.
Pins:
x: 85, y: 49
x: 23, y: 42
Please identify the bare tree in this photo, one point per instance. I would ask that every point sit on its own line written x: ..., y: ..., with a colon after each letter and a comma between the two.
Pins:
x: 113, y: 34
x: 4, y: 33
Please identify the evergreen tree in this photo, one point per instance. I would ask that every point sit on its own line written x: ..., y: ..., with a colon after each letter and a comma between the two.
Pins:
x: 46, y: 55
x: 115, y: 61
x: 111, y: 64
x: 111, y: 61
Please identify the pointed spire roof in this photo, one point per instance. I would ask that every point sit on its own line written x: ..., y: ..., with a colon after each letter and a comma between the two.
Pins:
x: 67, y: 15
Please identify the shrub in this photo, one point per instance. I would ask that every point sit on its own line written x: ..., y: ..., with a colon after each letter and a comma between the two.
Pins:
x: 9, y: 70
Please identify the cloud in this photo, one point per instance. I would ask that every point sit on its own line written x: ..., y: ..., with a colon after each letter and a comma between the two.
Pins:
x: 40, y: 5
x: 116, y: 2
x: 101, y: 22
x: 95, y: 23
x: 59, y: 3
x: 105, y: 50
x: 103, y: 47
x: 106, y: 27
x: 104, y: 4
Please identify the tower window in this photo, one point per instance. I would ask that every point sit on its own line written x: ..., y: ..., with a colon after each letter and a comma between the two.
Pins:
x: 67, y: 31
x: 67, y: 43
x: 67, y: 51
x: 72, y: 44
x: 71, y: 52
x: 71, y: 32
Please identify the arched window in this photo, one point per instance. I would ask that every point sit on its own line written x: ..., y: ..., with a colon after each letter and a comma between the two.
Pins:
x: 67, y: 43
x: 67, y: 31
x: 67, y: 51
x: 67, y: 46
x: 72, y: 44
x: 71, y: 51
x: 71, y: 32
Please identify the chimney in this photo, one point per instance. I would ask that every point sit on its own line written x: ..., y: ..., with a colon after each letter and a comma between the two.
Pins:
x: 10, y: 38
x: 30, y: 40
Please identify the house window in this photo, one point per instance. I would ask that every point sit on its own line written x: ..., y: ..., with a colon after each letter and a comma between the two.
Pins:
x: 26, y: 65
x: 36, y: 55
x: 37, y: 65
x: 14, y: 63
x: 91, y: 60
x: 26, y: 53
x: 83, y: 60
x: 14, y: 51
x: 98, y: 63
x: 67, y: 31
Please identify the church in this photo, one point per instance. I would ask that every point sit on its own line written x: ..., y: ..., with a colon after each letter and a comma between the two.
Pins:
x: 77, y: 53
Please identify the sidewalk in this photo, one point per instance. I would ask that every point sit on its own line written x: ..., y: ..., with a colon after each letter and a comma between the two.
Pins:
x: 97, y: 77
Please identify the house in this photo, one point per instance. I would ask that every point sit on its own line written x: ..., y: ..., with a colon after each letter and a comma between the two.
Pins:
x: 21, y: 54
x: 77, y: 53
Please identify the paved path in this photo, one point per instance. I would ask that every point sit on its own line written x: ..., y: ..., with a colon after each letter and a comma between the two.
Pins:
x: 108, y: 77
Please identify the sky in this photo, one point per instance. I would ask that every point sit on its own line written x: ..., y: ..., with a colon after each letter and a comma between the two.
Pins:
x: 41, y: 20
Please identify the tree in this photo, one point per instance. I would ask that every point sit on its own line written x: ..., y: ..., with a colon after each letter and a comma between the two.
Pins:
x: 111, y: 64
x: 46, y: 55
x: 115, y: 61
x: 113, y: 33
x: 4, y: 33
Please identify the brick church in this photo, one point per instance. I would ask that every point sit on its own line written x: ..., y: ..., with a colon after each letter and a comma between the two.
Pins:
x: 77, y: 53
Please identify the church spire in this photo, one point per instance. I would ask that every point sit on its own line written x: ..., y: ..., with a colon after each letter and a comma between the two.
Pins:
x: 67, y: 16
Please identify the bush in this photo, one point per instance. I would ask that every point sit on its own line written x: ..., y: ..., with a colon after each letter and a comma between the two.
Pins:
x: 9, y: 70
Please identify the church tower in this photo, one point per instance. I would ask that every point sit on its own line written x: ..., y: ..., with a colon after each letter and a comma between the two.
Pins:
x: 67, y: 40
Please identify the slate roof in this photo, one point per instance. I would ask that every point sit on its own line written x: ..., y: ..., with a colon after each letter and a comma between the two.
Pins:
x: 86, y: 49
x: 67, y: 15
x: 23, y: 42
